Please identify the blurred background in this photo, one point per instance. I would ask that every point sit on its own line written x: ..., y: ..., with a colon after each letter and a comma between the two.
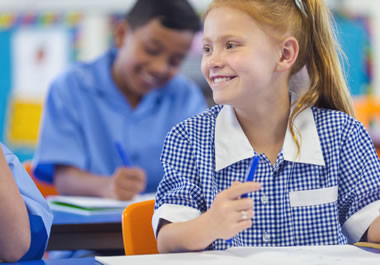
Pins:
x: 40, y: 38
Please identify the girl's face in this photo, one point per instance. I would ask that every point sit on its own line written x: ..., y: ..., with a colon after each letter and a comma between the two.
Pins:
x: 240, y: 59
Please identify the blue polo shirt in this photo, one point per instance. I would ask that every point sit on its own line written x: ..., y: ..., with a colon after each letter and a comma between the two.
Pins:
x: 85, y: 114
x: 40, y: 216
x: 327, y: 194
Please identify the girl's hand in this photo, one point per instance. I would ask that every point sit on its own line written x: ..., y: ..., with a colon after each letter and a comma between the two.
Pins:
x: 229, y: 214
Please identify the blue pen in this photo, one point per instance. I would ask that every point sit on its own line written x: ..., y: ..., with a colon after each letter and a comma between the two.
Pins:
x: 249, y: 177
x: 123, y: 154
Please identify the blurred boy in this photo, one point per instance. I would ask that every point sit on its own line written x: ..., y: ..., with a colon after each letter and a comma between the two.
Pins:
x: 131, y: 95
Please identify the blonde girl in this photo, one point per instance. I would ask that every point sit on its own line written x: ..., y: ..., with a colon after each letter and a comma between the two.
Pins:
x: 318, y: 179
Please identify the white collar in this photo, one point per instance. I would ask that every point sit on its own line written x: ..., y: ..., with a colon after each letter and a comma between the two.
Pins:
x: 231, y: 144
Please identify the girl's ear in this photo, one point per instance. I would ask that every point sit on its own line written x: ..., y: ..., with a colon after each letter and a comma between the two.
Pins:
x: 289, y: 54
x: 120, y: 34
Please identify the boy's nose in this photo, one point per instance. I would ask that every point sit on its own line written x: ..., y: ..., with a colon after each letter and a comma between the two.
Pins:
x: 160, y: 67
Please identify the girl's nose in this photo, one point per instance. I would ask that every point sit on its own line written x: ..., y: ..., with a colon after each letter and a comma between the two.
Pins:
x: 214, y: 61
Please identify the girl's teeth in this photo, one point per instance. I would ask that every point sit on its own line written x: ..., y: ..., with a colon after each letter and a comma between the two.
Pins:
x: 221, y: 79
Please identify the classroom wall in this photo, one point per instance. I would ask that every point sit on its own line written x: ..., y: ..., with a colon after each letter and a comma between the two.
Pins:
x: 95, y: 37
x: 371, y: 8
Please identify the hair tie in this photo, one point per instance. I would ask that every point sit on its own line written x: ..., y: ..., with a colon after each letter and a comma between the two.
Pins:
x: 300, y: 5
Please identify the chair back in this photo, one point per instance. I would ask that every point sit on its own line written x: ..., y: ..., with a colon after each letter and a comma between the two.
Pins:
x: 367, y: 110
x: 45, y: 188
x: 138, y: 235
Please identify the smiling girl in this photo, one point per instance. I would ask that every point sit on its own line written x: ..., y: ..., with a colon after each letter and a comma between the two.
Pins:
x: 318, y: 180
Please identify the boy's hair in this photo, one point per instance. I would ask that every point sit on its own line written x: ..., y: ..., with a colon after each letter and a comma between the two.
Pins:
x: 310, y: 22
x: 173, y: 14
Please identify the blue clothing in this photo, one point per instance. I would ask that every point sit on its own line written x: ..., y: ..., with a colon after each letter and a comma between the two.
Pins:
x: 85, y: 114
x: 327, y: 194
x: 40, y: 216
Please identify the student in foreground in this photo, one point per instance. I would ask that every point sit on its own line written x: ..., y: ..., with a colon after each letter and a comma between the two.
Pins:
x: 130, y: 97
x: 25, y: 218
x: 318, y: 178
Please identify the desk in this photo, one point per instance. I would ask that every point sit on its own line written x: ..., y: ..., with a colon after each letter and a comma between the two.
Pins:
x: 101, y: 232
x: 310, y: 255
x: 98, y: 232
x: 83, y: 261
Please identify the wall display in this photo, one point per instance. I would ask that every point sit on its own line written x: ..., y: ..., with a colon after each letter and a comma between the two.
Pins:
x: 36, y: 47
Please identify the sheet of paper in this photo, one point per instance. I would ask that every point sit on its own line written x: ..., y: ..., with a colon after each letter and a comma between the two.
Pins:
x: 92, y: 205
x: 311, y: 255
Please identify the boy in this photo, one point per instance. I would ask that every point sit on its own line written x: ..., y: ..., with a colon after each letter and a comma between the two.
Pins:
x: 131, y: 96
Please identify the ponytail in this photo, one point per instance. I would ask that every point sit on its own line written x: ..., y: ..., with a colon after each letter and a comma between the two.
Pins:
x: 321, y: 54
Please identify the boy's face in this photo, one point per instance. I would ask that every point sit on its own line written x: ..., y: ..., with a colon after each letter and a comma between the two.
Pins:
x: 148, y: 57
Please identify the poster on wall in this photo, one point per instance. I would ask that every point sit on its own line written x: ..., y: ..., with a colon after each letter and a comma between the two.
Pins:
x: 35, y: 48
x: 34, y: 66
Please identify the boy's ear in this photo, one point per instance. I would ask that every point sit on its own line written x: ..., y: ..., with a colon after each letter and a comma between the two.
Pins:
x: 289, y: 53
x: 120, y: 33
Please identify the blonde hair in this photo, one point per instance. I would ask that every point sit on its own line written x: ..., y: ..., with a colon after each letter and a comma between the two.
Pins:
x: 313, y: 27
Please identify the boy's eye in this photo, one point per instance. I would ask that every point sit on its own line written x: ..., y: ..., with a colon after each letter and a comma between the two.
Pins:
x: 152, y: 51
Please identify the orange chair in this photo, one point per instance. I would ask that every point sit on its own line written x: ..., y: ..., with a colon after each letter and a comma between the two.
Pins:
x: 46, y: 189
x: 138, y: 236
x: 367, y: 109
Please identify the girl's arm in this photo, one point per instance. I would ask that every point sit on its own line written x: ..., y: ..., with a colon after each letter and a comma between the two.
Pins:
x: 373, y: 234
x: 14, y: 229
x: 223, y: 220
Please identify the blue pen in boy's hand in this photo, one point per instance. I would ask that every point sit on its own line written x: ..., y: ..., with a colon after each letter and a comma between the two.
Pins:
x: 123, y: 154
x: 249, y: 177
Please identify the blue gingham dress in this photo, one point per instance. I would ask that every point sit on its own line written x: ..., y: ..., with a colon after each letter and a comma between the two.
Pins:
x: 351, y: 167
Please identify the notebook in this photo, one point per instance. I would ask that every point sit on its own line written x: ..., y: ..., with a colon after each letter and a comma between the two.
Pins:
x: 92, y: 205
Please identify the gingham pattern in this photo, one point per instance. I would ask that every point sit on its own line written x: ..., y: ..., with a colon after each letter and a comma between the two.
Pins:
x: 351, y: 164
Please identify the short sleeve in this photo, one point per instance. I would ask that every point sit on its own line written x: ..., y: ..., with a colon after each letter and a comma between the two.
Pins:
x: 40, y: 216
x: 359, y: 187
x: 187, y: 98
x: 195, y: 101
x: 61, y: 138
x: 179, y: 196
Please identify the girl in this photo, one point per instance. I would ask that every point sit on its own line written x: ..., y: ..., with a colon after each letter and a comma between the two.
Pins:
x: 318, y: 179
x: 25, y: 218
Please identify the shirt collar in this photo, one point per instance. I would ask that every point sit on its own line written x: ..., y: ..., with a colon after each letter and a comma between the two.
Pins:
x: 231, y: 144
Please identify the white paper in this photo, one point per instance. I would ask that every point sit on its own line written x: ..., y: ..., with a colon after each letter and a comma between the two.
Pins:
x: 310, y: 255
x: 103, y: 205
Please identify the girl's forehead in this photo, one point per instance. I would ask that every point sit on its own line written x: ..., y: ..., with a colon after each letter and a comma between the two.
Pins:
x: 228, y: 20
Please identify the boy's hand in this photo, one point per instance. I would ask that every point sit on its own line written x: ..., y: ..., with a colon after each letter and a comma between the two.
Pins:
x: 229, y: 214
x: 127, y: 182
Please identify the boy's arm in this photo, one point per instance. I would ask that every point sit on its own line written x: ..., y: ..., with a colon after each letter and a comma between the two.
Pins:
x: 222, y: 220
x: 124, y: 184
x: 373, y: 234
x: 15, y: 228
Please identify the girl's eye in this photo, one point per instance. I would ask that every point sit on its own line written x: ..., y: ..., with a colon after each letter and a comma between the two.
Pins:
x: 206, y: 49
x: 230, y: 45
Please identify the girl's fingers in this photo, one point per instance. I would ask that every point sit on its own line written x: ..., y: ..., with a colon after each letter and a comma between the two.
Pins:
x: 237, y: 189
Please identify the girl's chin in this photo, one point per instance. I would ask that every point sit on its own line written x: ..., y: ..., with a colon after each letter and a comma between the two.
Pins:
x: 221, y: 100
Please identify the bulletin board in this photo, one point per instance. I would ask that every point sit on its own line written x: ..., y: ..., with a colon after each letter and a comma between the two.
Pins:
x: 34, y: 48
x: 355, y: 37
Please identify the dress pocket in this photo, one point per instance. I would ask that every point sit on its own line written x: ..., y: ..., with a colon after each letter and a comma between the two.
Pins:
x: 313, y: 197
x: 315, y: 217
